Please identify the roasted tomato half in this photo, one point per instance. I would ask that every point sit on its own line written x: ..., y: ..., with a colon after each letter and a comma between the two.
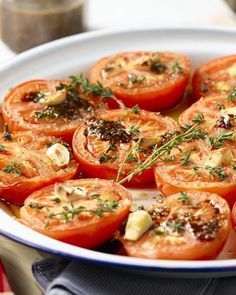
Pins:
x: 29, y: 162
x: 52, y: 107
x: 112, y: 145
x: 214, y: 114
x: 153, y: 80
x: 217, y: 76
x: 202, y: 166
x: 186, y: 226
x: 84, y: 212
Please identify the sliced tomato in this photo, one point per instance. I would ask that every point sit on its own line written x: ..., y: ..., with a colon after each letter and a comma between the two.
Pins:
x: 117, y: 140
x: 217, y: 76
x: 24, y: 107
x: 86, y: 217
x: 25, y: 167
x: 214, y: 114
x: 153, y: 80
x: 195, y: 166
x: 186, y: 226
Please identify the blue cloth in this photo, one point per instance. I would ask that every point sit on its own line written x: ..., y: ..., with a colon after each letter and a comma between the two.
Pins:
x: 62, y: 277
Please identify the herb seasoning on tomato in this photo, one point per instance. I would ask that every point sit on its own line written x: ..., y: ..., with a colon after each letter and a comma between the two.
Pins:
x: 53, y: 107
x: 84, y: 212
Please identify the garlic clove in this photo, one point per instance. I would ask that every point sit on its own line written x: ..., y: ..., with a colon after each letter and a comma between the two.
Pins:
x: 54, y: 99
x: 59, y: 154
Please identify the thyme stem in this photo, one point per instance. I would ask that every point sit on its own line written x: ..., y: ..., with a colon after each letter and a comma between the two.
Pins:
x: 126, y: 157
x: 157, y: 153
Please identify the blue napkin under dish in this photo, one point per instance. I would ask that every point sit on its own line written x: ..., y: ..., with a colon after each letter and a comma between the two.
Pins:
x: 58, y: 276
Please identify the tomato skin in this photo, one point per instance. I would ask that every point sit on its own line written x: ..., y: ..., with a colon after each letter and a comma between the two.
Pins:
x: 107, y: 172
x: 152, y: 246
x: 15, y: 188
x: 151, y: 98
x: 1, y: 120
x: 89, y: 163
x: 89, y: 233
x: 205, y: 74
x: 19, y: 116
x: 233, y: 216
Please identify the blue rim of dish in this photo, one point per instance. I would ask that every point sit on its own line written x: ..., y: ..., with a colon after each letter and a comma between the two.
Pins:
x: 88, y: 36
x: 118, y: 264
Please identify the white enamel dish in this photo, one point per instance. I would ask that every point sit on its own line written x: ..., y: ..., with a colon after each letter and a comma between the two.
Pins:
x: 76, y: 54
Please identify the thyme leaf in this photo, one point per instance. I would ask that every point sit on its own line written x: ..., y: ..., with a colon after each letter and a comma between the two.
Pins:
x: 135, y: 110
x: 217, y: 172
x: 184, y: 198
x: 2, y: 148
x: 219, y: 140
x: 13, y: 168
x: 199, y: 118
x: 185, y: 159
x: 96, y: 89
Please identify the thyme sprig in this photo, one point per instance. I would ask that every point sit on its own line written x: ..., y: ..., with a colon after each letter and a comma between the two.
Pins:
x: 219, y: 140
x: 69, y: 212
x: 96, y: 89
x: 128, y: 155
x: 191, y: 133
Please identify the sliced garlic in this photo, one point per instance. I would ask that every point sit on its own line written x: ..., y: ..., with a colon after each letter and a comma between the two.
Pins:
x: 195, y: 158
x: 222, y: 86
x: 138, y: 223
x: 107, y: 196
x: 59, y: 154
x: 219, y: 157
x: 54, y: 99
x: 228, y: 111
x: 64, y: 192
x: 150, y: 141
x: 232, y: 70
